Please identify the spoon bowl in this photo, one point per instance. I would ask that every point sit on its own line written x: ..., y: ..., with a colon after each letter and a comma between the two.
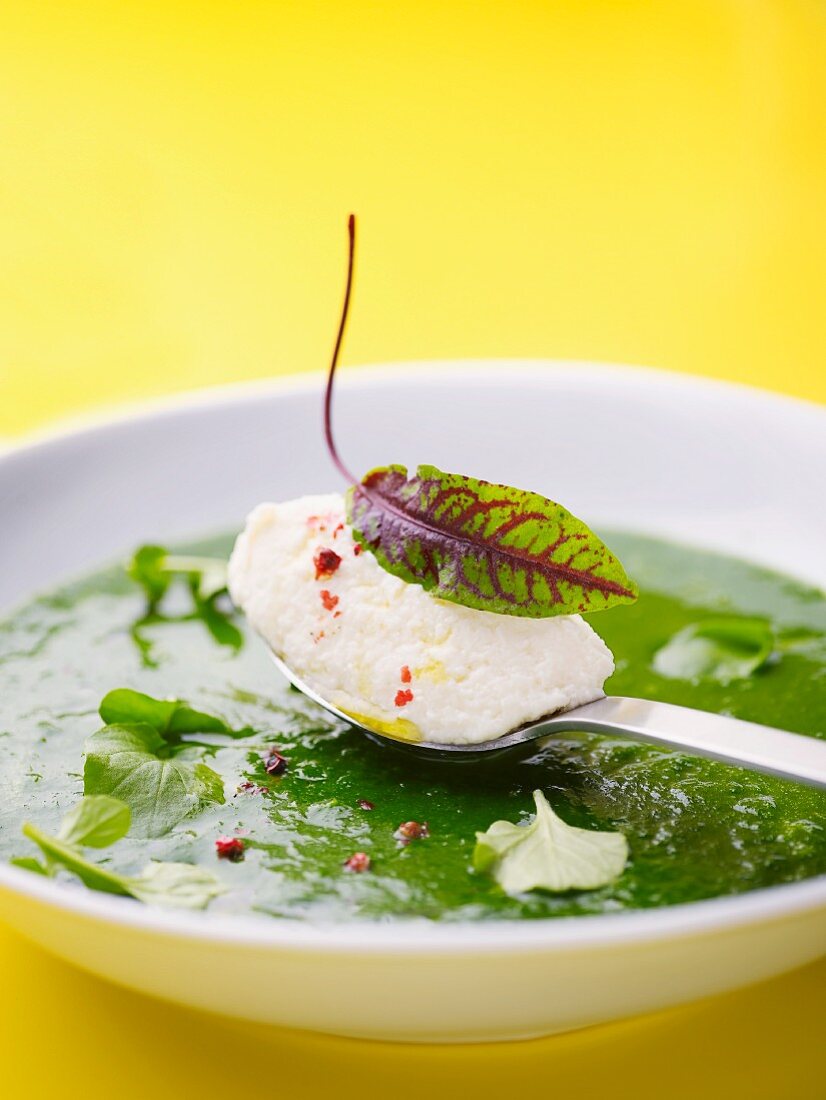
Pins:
x: 715, y: 736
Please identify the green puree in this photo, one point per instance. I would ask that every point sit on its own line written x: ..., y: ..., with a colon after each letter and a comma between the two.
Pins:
x: 696, y: 829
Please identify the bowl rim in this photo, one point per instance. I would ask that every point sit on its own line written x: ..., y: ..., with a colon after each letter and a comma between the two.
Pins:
x: 413, y: 936
x: 487, y: 372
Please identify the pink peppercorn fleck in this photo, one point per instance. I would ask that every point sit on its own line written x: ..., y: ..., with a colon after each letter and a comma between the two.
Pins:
x: 358, y: 862
x: 252, y: 788
x: 275, y: 763
x: 230, y: 847
x: 403, y: 697
x: 406, y: 674
x: 363, y: 804
x: 326, y: 562
x: 412, y: 830
x: 328, y: 599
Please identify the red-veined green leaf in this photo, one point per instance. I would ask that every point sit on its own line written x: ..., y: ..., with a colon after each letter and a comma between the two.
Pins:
x: 486, y: 546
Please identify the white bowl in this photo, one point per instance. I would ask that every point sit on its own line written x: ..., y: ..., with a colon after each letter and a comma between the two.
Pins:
x: 707, y: 463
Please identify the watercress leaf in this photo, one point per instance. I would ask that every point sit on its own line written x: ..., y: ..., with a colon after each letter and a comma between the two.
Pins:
x: 208, y: 576
x: 175, y: 885
x: 123, y: 706
x: 794, y: 638
x: 220, y: 626
x: 95, y: 822
x: 29, y: 863
x: 132, y: 763
x: 146, y: 568
x: 721, y: 649
x: 485, y: 546
x: 178, y: 885
x: 58, y: 852
x: 549, y: 854
x: 154, y: 568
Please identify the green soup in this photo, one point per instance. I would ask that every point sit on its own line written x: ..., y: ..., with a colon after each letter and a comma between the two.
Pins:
x: 696, y: 829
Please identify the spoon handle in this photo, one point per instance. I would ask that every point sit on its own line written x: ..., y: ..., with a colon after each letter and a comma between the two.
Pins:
x: 762, y: 748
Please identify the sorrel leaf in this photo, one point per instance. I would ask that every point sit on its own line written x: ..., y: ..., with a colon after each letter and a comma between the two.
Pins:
x: 175, y: 885
x: 486, y: 546
x: 549, y: 854
x: 133, y: 763
x: 482, y: 545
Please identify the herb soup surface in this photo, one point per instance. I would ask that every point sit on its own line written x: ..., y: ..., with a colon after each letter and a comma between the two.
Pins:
x: 696, y: 828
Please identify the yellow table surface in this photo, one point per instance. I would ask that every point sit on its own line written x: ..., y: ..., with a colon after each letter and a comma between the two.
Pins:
x: 631, y: 181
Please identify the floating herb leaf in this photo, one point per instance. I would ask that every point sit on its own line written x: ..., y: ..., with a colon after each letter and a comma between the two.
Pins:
x: 95, y: 822
x: 548, y: 854
x: 146, y: 569
x: 722, y: 649
x: 89, y: 823
x: 175, y: 885
x: 482, y: 545
x: 135, y: 764
x: 123, y: 706
x: 29, y: 863
x: 154, y: 568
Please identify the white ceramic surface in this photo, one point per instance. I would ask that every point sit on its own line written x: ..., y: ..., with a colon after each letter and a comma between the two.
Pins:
x: 712, y: 464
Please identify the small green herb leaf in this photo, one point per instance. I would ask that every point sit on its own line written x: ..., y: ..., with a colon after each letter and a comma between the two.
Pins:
x: 166, y: 716
x: 207, y: 576
x: 548, y: 854
x: 146, y: 569
x: 221, y: 627
x: 95, y: 822
x: 485, y: 546
x: 133, y: 763
x: 29, y: 863
x: 175, y: 885
x: 59, y: 853
x: 154, y: 568
x: 723, y: 650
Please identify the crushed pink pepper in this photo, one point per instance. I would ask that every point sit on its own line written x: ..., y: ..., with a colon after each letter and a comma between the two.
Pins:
x: 326, y: 562
x: 319, y: 521
x: 328, y: 599
x: 412, y: 830
x: 357, y: 549
x: 251, y: 788
x: 403, y: 697
x: 337, y: 529
x: 275, y: 763
x: 406, y: 675
x: 363, y: 804
x: 358, y: 862
x: 230, y: 847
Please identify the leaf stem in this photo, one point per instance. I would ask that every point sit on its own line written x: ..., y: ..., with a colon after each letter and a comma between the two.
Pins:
x: 328, y: 396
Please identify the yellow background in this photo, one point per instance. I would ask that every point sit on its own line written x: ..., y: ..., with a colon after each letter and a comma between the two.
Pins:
x: 633, y: 181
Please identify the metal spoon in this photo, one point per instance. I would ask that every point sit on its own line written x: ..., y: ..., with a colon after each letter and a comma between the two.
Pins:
x: 760, y: 748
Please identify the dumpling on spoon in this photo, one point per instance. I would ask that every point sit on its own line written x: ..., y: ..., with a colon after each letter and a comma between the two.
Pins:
x: 392, y: 654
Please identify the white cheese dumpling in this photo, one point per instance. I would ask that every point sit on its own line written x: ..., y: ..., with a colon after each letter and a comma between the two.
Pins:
x: 386, y: 651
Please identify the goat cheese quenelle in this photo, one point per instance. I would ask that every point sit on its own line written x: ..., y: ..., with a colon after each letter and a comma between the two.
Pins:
x: 390, y: 653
